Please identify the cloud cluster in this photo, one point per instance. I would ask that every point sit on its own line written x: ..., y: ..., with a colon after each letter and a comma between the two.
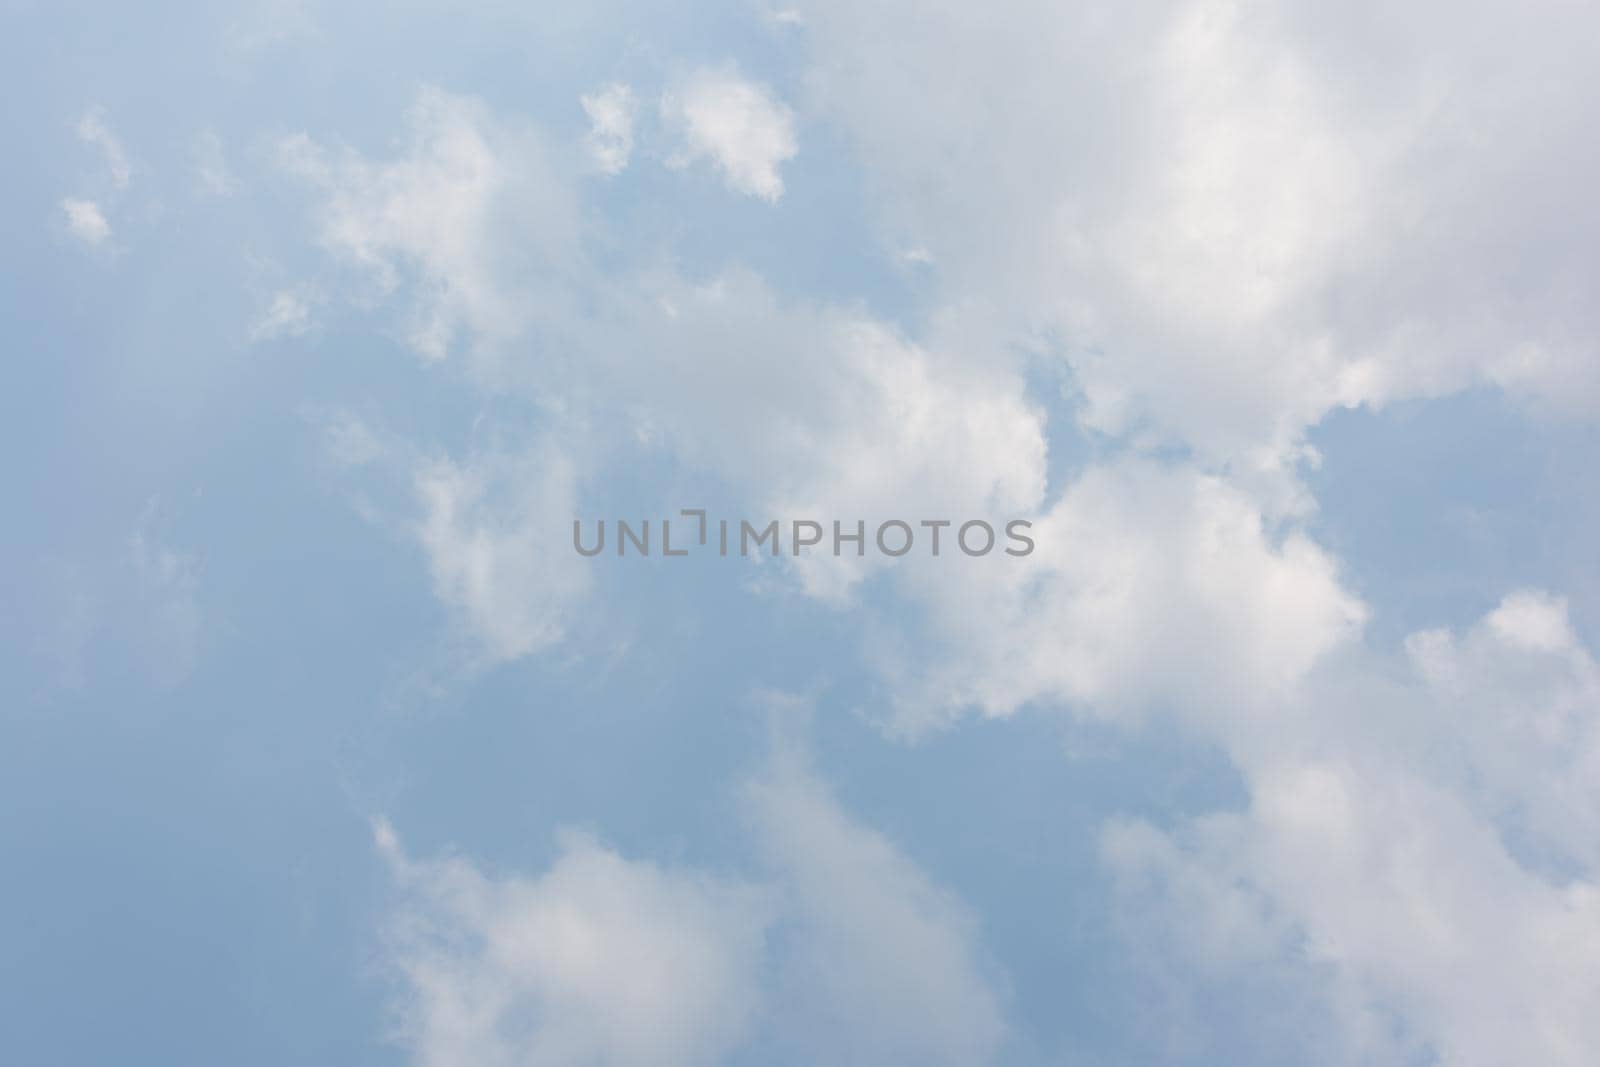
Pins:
x: 1224, y: 220
x: 86, y: 217
x: 1238, y: 216
x: 1430, y: 850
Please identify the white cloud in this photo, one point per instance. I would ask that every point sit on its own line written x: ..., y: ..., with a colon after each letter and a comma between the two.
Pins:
x: 1231, y: 219
x: 1515, y: 706
x: 287, y: 315
x: 887, y: 957
x: 600, y: 960
x: 494, y: 527
x: 92, y: 130
x: 1228, y: 220
x: 1151, y: 586
x: 813, y: 410
x: 845, y: 953
x: 1431, y: 848
x: 611, y: 112
x: 85, y: 217
x: 804, y: 407
x: 469, y: 217
x: 1414, y: 905
x: 1220, y: 970
x: 86, y: 221
x: 735, y: 123
x: 497, y: 533
x: 1234, y: 218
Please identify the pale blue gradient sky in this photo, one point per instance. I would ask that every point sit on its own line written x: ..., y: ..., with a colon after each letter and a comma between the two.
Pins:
x: 225, y: 657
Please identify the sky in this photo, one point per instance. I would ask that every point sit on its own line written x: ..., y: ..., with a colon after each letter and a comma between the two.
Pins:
x: 1275, y: 324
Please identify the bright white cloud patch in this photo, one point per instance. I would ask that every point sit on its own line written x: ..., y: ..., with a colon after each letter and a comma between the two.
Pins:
x: 611, y: 112
x: 1431, y: 847
x: 735, y: 123
x: 85, y: 220
x: 1235, y: 218
x: 1150, y: 586
x: 599, y: 960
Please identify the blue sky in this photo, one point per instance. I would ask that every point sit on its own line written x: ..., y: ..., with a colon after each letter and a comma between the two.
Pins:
x: 324, y: 322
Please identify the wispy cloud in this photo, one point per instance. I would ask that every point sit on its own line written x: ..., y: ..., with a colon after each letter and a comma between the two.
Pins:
x: 92, y: 130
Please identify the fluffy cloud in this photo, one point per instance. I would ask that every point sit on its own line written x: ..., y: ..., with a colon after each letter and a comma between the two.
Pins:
x: 803, y: 407
x: 85, y: 217
x: 1151, y: 586
x: 611, y: 113
x: 735, y: 123
x: 1432, y: 851
x: 813, y: 410
x: 607, y: 960
x: 85, y: 220
x: 1230, y: 219
x: 600, y: 960
x: 1235, y: 217
x: 1516, y: 710
x: 1227, y: 234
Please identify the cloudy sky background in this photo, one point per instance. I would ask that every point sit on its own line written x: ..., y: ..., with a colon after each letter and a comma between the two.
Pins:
x: 323, y: 321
